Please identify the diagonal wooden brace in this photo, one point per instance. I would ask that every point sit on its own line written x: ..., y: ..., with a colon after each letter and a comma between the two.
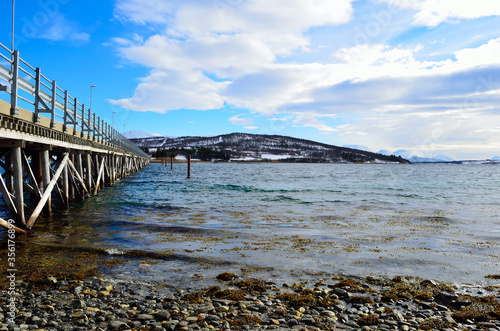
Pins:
x: 8, y: 225
x: 80, y: 180
x: 47, y: 192
x: 101, y: 173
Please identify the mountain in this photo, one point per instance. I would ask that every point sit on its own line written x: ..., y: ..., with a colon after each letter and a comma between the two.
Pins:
x: 256, y: 147
x: 443, y: 158
x: 360, y: 147
x: 495, y: 158
x: 139, y: 134
x: 384, y: 152
x: 416, y: 157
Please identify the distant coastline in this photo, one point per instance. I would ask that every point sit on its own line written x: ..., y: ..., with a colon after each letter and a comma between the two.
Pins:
x: 243, y: 147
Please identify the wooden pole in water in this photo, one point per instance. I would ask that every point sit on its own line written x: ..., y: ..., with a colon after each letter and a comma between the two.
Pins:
x: 46, y: 180
x: 171, y: 162
x: 189, y: 166
x: 17, y: 165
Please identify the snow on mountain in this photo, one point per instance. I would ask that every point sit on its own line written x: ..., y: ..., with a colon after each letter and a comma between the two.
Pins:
x: 384, y: 152
x: 360, y: 147
x: 139, y: 134
x: 419, y: 157
x: 443, y: 158
x: 407, y: 154
x: 243, y: 146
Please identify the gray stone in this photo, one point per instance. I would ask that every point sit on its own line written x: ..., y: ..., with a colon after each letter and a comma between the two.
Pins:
x: 341, y: 293
x: 446, y: 297
x: 163, y: 316
x: 144, y: 317
x: 116, y: 325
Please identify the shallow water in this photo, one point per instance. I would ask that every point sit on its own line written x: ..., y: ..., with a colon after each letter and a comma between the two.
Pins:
x: 288, y: 221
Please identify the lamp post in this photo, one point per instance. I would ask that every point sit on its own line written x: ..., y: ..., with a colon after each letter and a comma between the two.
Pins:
x: 113, y: 123
x: 91, y: 86
x: 13, y: 6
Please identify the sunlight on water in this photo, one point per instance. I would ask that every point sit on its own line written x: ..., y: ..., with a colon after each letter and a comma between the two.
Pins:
x: 433, y: 221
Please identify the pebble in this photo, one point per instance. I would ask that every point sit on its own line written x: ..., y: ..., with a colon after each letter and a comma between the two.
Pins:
x: 63, y: 304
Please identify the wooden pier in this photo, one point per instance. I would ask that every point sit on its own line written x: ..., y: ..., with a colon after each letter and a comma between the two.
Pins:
x: 52, y: 147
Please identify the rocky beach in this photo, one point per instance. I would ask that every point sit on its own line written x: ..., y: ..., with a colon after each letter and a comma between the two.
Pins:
x: 80, y: 302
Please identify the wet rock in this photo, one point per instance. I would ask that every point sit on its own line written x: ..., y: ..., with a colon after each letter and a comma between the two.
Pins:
x: 163, y: 316
x: 446, y: 297
x: 79, y: 304
x: 117, y: 325
x: 144, y: 317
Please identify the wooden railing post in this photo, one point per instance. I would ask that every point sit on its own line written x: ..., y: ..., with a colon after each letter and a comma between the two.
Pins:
x: 53, y: 106
x: 93, y: 128
x: 75, y: 113
x: 65, y: 124
x: 14, y: 110
x: 36, y: 117
x: 83, y: 121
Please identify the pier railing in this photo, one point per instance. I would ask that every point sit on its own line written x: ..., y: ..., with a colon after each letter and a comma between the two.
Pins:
x: 27, y: 85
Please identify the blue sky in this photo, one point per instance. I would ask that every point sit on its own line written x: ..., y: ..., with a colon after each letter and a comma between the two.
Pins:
x: 421, y: 75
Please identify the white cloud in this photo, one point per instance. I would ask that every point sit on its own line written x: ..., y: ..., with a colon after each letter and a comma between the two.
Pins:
x: 59, y: 28
x: 251, y: 127
x: 237, y: 120
x: 433, y: 12
x: 483, y: 55
x: 231, y: 41
x: 311, y: 120
x: 165, y: 90
x: 204, y: 55
x: 142, y: 12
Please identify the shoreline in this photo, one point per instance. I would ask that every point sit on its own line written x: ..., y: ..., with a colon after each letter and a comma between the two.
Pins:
x: 86, y: 299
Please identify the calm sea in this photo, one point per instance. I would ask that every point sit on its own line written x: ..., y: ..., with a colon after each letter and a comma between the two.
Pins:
x: 288, y: 221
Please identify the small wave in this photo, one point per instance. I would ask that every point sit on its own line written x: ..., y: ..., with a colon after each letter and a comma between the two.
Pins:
x: 283, y: 198
x: 114, y: 251
x: 248, y: 189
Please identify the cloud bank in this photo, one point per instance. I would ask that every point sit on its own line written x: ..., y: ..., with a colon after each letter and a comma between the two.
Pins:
x: 253, y: 56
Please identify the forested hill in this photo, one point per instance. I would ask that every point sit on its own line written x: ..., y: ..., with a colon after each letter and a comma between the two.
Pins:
x: 257, y: 147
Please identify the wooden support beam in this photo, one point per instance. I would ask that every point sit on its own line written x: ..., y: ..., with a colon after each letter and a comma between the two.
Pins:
x: 58, y: 189
x: 9, y: 179
x: 31, y: 176
x: 88, y: 162
x: 75, y: 186
x: 7, y: 198
x: 8, y: 225
x: 47, y: 192
x: 80, y: 172
x: 17, y: 164
x: 70, y: 175
x: 65, y: 186
x: 7, y: 168
x: 46, y: 180
x: 101, y: 173
x: 80, y: 179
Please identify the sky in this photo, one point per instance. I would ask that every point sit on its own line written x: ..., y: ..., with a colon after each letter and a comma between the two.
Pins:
x: 419, y: 75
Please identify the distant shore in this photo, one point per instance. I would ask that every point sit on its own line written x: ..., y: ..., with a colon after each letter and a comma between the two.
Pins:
x: 285, y: 161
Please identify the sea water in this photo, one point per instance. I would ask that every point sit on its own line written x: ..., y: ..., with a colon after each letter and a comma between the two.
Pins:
x: 288, y: 221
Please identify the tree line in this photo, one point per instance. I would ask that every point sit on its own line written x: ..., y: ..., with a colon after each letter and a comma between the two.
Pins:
x: 201, y: 152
